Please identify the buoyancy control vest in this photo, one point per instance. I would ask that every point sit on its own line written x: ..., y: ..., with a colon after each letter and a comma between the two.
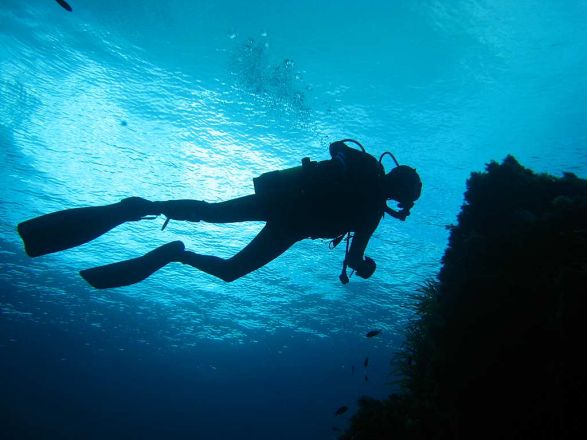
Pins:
x: 308, y: 177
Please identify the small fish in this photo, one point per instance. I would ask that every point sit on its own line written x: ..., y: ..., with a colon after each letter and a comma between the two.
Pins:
x: 366, y: 378
x: 341, y: 410
x: 353, y: 369
x: 372, y: 333
x: 64, y: 5
x: 366, y: 362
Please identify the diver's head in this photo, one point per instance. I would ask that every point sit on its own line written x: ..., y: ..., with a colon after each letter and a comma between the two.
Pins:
x: 403, y: 184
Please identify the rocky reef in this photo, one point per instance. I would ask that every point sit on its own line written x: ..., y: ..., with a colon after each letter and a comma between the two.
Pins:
x: 495, y: 350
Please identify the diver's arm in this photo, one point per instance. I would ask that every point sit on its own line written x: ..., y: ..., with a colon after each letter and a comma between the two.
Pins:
x: 356, y: 260
x: 186, y: 209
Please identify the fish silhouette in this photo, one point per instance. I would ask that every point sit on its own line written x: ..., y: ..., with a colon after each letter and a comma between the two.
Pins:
x: 341, y: 410
x: 64, y: 5
x: 366, y: 362
x: 372, y: 333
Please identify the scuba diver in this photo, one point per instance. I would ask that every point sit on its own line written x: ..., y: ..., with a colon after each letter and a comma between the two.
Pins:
x: 344, y: 196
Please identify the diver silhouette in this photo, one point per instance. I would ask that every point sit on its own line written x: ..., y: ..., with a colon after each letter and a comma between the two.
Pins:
x: 344, y: 196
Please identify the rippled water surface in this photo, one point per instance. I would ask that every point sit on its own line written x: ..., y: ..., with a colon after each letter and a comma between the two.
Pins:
x: 192, y: 99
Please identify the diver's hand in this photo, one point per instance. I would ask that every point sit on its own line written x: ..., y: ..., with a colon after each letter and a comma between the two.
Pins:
x: 366, y: 268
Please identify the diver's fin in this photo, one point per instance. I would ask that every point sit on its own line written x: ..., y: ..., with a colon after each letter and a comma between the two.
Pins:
x: 69, y: 228
x: 125, y: 273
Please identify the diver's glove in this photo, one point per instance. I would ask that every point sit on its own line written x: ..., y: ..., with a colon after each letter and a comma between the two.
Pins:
x: 367, y: 268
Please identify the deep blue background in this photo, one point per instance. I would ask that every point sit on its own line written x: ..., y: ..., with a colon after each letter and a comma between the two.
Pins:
x: 192, y: 99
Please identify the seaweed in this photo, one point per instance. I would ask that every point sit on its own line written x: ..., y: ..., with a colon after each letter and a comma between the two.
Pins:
x: 495, y: 347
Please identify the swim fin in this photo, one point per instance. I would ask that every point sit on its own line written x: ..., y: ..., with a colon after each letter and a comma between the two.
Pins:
x: 69, y: 228
x: 125, y: 273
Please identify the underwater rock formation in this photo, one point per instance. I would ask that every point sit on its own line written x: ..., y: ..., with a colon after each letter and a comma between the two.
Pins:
x: 495, y: 350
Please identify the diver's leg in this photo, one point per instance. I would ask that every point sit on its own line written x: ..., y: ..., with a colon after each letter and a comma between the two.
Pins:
x: 266, y: 246
x: 72, y: 227
x: 125, y: 273
x: 247, y: 208
x: 270, y: 243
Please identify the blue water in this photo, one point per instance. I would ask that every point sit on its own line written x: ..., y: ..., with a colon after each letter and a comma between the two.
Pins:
x: 192, y: 99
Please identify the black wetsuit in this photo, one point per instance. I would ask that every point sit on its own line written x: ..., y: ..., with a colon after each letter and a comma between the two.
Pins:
x: 334, y: 197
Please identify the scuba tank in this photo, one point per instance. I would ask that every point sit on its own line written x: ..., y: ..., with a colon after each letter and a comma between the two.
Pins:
x: 298, y: 178
x: 308, y: 178
x: 284, y: 181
